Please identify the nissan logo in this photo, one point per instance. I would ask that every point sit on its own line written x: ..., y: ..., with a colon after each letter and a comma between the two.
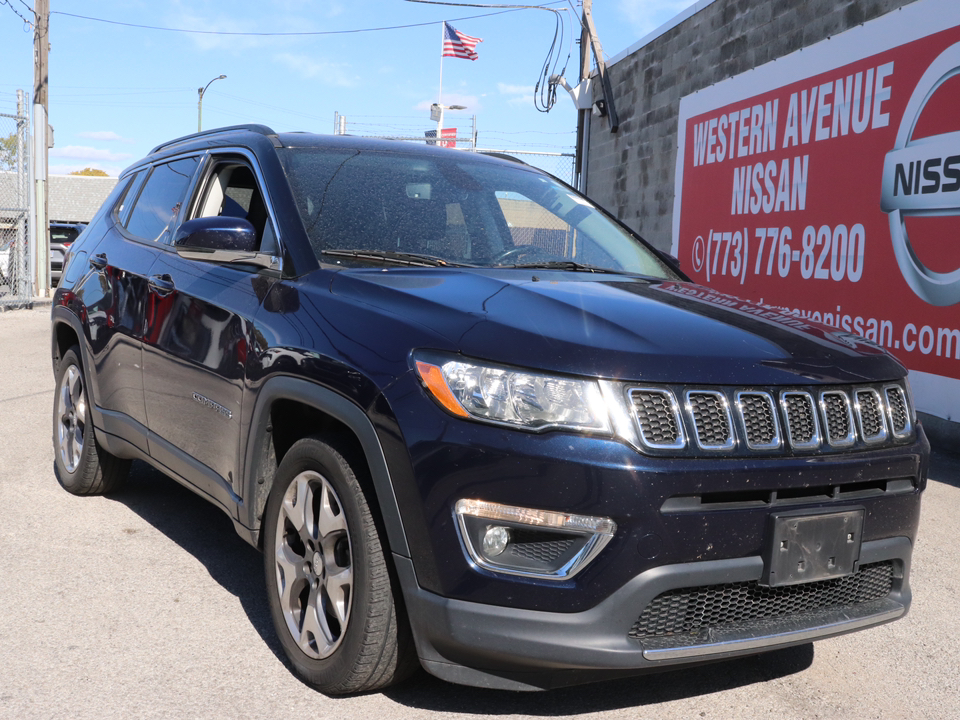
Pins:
x: 921, y: 178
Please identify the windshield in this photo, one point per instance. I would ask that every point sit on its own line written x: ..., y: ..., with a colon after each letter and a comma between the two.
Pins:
x: 362, y: 207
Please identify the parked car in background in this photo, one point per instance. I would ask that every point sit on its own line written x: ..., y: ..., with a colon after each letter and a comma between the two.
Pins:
x: 474, y: 423
x: 62, y: 236
x: 6, y: 243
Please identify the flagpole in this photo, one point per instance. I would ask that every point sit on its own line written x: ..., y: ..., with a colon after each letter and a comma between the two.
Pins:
x: 443, y: 35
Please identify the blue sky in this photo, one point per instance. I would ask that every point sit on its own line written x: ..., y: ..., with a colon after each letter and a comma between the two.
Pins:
x: 117, y: 91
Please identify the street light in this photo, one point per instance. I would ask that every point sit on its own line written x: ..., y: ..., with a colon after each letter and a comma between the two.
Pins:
x: 200, y: 92
x: 436, y: 113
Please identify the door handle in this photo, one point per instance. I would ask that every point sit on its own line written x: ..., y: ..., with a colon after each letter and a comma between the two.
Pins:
x: 98, y: 261
x: 161, y: 284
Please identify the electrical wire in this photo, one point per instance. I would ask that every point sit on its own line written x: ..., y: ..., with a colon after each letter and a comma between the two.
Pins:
x: 545, y: 91
x: 28, y: 24
x: 270, y: 34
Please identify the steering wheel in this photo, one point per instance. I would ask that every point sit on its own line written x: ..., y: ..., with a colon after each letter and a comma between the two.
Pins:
x: 530, y: 252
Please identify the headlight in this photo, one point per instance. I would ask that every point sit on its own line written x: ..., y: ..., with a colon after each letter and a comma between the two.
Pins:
x: 515, y: 397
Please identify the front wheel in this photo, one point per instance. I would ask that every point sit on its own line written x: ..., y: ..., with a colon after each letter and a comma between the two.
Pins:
x: 335, y: 606
x: 81, y: 465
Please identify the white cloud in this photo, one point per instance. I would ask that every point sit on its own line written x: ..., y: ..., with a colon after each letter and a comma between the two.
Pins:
x: 103, y: 136
x: 518, y: 94
x: 647, y: 15
x: 330, y: 73
x: 89, y: 154
x: 514, y: 89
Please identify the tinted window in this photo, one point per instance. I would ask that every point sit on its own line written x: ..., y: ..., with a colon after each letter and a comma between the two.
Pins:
x: 454, y: 208
x: 63, y: 234
x: 158, y: 207
x: 126, y: 203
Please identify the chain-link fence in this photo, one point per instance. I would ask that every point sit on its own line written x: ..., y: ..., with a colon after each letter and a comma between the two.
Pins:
x: 560, y: 165
x: 15, y: 281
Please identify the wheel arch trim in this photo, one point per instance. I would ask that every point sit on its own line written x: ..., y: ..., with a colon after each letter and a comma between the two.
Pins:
x: 342, y: 410
x: 61, y: 316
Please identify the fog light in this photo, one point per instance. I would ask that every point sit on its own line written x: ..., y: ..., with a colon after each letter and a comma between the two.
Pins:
x: 532, y: 543
x: 495, y: 540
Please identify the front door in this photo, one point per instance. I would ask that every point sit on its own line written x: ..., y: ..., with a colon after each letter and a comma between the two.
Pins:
x: 199, y: 340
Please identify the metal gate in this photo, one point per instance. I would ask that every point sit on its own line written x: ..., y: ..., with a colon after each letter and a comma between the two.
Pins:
x: 15, y: 281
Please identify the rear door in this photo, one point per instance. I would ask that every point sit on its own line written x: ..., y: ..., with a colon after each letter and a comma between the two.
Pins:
x: 199, y: 337
x: 117, y: 302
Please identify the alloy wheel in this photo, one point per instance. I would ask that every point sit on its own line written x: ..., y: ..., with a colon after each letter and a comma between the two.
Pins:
x: 314, y: 572
x: 72, y: 412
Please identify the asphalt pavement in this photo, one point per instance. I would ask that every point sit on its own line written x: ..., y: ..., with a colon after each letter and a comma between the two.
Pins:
x: 146, y: 604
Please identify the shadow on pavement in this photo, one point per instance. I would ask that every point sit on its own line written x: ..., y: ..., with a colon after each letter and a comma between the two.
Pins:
x: 945, y: 468
x: 204, y: 531
x: 427, y: 693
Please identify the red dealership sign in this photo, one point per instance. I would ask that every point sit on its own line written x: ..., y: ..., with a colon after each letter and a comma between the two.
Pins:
x: 827, y: 185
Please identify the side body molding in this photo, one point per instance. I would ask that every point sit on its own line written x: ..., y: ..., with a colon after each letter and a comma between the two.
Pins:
x: 343, y: 410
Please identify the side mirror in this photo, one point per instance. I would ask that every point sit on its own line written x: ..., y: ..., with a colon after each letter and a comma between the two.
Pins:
x: 216, y: 233
x: 222, y: 239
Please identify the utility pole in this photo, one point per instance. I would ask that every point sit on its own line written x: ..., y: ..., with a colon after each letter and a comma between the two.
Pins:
x: 608, y: 108
x: 41, y: 237
x: 583, y: 114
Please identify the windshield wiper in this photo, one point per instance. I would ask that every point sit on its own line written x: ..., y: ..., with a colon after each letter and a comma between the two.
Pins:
x: 565, y: 265
x: 398, y: 258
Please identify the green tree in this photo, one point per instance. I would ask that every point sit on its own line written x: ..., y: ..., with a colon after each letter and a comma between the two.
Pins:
x: 8, y: 152
x: 90, y: 172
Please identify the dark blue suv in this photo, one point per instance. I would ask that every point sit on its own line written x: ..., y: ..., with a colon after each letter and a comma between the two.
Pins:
x: 474, y: 423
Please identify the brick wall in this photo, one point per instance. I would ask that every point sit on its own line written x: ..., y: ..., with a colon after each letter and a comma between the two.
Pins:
x: 631, y: 173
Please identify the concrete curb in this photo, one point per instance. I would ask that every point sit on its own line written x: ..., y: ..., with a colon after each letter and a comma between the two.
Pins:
x: 27, y: 304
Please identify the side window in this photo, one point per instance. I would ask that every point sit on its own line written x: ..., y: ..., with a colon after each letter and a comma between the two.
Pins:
x: 158, y: 207
x: 232, y: 191
x: 126, y: 202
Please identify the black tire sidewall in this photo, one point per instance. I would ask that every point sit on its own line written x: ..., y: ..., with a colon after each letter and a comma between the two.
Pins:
x: 313, y: 454
x: 77, y: 481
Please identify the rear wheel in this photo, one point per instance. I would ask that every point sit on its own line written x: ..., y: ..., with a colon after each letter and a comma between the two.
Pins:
x: 81, y: 465
x: 336, y: 608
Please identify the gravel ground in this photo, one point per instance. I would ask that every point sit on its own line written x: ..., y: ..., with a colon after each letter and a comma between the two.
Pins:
x: 147, y: 605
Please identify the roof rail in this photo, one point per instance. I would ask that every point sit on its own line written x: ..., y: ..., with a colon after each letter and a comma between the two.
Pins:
x: 259, y: 129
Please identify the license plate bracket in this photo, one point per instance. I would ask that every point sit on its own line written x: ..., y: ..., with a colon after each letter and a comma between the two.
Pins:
x: 810, y: 547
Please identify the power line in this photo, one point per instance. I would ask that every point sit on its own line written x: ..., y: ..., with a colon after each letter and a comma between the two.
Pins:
x: 28, y: 23
x: 269, y: 34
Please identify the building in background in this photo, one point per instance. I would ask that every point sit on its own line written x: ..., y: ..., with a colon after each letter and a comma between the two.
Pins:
x: 804, y: 155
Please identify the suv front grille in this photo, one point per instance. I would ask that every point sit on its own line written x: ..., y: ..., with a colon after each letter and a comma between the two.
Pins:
x: 691, y: 611
x: 745, y: 420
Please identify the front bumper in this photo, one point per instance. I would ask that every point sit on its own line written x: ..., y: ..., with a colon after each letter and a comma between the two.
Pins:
x: 519, y: 649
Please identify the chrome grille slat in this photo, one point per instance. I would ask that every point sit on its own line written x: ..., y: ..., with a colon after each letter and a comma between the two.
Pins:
x: 899, y: 415
x: 870, y: 413
x: 802, y: 427
x: 658, y: 417
x: 837, y: 418
x: 758, y: 413
x: 711, y: 419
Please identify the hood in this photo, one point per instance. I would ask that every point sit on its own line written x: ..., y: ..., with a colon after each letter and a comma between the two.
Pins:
x: 617, y: 326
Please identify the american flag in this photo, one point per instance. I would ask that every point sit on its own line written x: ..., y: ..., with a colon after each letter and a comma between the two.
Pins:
x: 456, y: 44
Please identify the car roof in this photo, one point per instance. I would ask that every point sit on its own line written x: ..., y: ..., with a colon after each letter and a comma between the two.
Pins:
x: 254, y: 135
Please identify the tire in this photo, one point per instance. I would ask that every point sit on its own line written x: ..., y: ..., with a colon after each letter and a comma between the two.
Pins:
x: 336, y: 608
x: 82, y: 467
